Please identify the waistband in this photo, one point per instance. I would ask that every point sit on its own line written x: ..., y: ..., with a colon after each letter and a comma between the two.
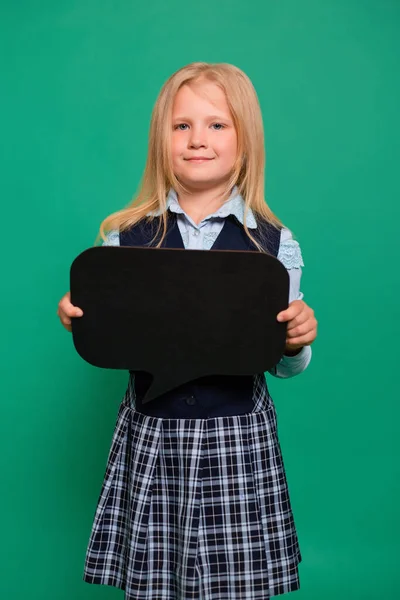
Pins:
x: 205, y: 398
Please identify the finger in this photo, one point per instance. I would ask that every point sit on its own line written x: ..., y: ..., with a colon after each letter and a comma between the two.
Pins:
x: 66, y: 324
x: 303, y: 340
x: 300, y: 319
x: 69, y: 309
x: 295, y: 308
x: 303, y: 329
x: 66, y: 321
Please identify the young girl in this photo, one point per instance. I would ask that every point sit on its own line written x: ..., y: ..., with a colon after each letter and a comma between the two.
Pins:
x: 195, y: 503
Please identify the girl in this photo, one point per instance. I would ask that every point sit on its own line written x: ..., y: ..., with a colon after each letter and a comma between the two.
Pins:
x: 195, y: 501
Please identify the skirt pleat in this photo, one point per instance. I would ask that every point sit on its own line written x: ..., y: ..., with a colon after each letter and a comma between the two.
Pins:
x: 195, y: 508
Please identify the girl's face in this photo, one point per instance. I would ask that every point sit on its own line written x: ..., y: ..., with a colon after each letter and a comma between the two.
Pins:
x: 204, y: 139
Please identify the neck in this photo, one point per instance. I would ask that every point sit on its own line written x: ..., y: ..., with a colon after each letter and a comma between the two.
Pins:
x: 198, y: 204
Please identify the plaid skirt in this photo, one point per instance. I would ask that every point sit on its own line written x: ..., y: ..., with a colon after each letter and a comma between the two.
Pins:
x: 195, y: 508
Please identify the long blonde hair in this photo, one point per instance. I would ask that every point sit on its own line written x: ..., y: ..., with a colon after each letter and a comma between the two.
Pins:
x: 158, y: 176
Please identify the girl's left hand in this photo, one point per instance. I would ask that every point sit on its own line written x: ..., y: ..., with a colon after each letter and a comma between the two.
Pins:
x: 301, y: 328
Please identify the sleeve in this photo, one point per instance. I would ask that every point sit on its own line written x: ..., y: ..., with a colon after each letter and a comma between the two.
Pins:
x: 290, y: 256
x: 112, y: 238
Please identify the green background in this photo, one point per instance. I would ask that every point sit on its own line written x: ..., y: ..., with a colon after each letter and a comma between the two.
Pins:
x: 79, y: 81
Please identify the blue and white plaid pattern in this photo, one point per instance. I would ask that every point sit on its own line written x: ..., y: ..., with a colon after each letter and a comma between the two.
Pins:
x: 195, y: 509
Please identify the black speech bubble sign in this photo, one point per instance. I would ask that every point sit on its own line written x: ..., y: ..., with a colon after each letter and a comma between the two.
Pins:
x: 179, y: 314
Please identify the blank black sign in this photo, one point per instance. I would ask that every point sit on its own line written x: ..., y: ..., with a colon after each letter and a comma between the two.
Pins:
x: 179, y: 314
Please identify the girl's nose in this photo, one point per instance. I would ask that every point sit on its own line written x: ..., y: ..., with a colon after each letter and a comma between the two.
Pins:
x: 197, y: 139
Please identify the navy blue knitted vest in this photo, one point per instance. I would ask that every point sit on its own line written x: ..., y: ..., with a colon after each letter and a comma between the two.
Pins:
x: 211, y: 396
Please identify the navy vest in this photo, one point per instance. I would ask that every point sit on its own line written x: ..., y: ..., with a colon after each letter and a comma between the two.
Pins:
x: 211, y: 396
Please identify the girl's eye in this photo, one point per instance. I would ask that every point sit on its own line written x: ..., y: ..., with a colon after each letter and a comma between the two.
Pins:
x: 183, y: 126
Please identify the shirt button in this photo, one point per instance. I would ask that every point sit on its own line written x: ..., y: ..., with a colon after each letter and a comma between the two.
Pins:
x: 191, y: 400
x: 196, y: 232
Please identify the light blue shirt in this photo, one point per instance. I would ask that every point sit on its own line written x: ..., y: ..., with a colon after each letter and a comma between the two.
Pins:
x: 203, y: 235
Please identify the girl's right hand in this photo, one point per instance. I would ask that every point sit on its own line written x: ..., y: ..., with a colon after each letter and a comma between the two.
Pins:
x: 66, y: 310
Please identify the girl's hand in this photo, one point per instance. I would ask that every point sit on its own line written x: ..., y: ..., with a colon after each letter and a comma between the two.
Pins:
x: 66, y: 310
x: 301, y: 328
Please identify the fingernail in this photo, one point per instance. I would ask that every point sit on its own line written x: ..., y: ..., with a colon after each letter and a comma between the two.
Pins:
x: 79, y: 313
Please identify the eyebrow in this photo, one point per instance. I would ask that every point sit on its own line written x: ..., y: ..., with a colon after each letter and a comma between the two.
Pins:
x: 210, y: 117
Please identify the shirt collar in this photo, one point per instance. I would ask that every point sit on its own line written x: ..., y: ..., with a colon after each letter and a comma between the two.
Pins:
x: 233, y: 206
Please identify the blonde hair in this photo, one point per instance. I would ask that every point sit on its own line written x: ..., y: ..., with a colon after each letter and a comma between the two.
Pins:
x: 158, y: 176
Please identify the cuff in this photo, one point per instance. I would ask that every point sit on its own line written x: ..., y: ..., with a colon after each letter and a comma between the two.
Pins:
x: 289, y: 366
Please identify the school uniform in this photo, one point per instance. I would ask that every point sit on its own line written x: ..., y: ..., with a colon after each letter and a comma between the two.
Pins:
x: 195, y: 502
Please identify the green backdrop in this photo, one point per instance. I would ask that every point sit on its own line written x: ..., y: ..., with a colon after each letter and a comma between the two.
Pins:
x: 79, y: 81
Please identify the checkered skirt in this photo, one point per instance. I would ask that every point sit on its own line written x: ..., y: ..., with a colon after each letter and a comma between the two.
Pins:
x: 195, y: 508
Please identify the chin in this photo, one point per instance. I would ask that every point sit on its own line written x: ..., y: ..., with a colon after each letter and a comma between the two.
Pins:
x: 202, y: 180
